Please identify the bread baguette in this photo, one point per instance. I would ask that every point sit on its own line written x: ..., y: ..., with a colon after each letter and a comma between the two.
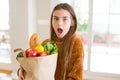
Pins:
x: 34, y: 40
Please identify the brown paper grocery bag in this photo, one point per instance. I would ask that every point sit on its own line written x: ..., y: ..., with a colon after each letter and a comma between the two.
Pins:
x: 39, y: 68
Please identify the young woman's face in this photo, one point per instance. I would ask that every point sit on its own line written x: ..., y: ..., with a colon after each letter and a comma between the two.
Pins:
x: 61, y: 22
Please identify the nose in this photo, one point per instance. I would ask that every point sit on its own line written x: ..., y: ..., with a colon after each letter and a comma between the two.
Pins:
x: 60, y: 22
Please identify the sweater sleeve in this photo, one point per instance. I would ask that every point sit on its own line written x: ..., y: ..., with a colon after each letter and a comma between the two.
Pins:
x: 75, y: 65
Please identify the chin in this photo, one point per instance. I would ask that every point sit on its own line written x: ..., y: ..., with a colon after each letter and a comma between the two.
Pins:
x: 60, y: 36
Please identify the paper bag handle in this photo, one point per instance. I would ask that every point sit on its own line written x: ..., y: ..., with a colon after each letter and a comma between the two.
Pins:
x: 20, y: 49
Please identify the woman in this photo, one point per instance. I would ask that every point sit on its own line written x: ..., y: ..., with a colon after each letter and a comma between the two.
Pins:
x: 63, y: 26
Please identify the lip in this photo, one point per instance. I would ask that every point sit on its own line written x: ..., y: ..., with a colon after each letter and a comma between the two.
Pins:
x: 60, y: 30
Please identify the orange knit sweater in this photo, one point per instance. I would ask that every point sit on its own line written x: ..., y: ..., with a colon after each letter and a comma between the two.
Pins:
x: 74, y: 69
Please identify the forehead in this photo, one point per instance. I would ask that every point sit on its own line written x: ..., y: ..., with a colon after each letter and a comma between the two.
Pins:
x: 61, y: 13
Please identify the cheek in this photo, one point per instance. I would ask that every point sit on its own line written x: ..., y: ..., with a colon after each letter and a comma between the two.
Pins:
x: 55, y: 28
x: 67, y: 28
x: 68, y: 25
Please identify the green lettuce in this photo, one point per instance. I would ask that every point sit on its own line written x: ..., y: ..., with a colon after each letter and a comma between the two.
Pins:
x: 50, y: 47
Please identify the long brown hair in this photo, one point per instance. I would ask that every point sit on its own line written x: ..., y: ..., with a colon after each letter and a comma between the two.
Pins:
x: 68, y: 37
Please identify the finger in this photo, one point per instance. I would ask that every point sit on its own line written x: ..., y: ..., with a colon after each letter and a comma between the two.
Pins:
x: 21, y: 74
x: 21, y: 77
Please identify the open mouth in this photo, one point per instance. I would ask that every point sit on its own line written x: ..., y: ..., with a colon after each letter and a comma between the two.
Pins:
x: 60, y: 30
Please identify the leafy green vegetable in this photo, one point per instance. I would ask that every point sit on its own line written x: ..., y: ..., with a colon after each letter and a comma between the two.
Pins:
x: 20, y: 54
x: 50, y: 47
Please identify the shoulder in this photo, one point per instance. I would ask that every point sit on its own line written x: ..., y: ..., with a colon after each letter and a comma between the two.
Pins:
x: 46, y: 40
x: 77, y: 46
x: 76, y: 39
x: 76, y: 42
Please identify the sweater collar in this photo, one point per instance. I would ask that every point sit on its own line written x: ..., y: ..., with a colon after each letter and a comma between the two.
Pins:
x: 60, y: 39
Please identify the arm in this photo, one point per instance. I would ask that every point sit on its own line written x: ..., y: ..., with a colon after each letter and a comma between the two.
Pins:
x: 75, y: 65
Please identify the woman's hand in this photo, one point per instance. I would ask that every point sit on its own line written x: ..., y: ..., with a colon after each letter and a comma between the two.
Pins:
x: 21, y: 74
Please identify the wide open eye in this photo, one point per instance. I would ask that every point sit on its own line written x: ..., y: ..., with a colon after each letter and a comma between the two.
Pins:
x: 66, y: 19
x: 55, y: 18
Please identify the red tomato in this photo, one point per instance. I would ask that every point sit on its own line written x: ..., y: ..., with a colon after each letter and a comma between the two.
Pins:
x: 31, y: 52
x: 43, y: 54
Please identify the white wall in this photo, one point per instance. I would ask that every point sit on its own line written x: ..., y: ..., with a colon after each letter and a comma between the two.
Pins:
x: 43, y: 16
